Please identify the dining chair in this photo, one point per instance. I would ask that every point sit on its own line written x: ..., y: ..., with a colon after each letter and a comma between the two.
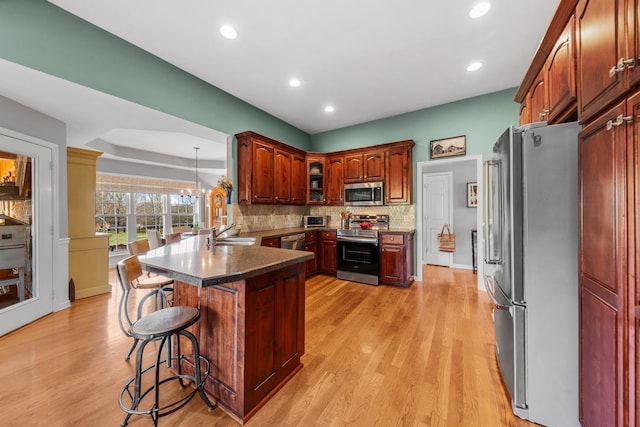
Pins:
x: 154, y: 238
x: 173, y: 237
x: 138, y: 247
x: 181, y: 229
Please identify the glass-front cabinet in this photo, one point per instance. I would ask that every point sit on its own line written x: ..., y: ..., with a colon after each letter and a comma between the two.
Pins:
x: 316, y: 179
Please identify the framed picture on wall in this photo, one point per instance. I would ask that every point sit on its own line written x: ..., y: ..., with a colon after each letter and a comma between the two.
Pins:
x: 456, y: 146
x: 472, y: 194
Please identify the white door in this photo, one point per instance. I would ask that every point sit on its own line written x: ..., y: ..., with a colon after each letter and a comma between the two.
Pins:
x: 437, y: 212
x: 35, y: 270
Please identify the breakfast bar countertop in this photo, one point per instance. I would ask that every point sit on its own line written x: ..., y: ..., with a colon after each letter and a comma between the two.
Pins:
x: 192, y: 262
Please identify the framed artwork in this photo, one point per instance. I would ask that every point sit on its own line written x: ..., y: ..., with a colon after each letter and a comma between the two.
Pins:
x: 472, y: 194
x: 455, y: 146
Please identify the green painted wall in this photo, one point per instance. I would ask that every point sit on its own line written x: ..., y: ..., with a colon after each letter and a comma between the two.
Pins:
x: 482, y: 119
x: 39, y: 35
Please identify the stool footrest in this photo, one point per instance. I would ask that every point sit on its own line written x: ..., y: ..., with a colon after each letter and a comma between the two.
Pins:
x: 131, y: 400
x: 168, y: 408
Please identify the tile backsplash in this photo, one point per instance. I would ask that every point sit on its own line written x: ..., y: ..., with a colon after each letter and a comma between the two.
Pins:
x: 403, y: 216
x: 270, y: 217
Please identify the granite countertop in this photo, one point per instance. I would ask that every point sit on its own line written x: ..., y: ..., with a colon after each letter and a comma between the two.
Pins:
x: 190, y: 261
x: 267, y: 234
x: 399, y: 230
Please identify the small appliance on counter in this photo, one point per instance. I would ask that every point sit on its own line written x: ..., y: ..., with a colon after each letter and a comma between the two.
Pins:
x: 310, y: 221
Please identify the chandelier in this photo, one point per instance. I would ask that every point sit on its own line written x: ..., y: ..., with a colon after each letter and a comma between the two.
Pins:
x: 189, y: 195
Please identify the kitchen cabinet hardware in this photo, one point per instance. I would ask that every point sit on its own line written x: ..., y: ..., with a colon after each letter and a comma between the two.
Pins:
x: 619, y: 120
x: 622, y: 65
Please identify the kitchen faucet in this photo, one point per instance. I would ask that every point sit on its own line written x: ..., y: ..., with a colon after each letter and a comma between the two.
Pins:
x: 214, y: 236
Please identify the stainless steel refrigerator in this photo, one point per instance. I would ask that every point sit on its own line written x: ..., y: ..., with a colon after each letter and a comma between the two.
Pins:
x: 531, y: 267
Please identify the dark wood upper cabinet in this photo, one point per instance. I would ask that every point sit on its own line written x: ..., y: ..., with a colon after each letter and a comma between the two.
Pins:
x: 633, y: 42
x: 269, y: 172
x: 373, y: 162
x: 524, y: 116
x: 561, y: 75
x: 282, y: 177
x: 316, y: 179
x: 399, y: 176
x: 600, y: 33
x: 353, y: 168
x: 548, y: 89
x: 335, y: 180
x: 262, y: 175
x: 538, y: 99
x: 298, y: 179
x: 367, y: 166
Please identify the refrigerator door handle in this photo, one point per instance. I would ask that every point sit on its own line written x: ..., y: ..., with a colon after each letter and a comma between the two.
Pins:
x: 500, y: 302
x: 493, y: 211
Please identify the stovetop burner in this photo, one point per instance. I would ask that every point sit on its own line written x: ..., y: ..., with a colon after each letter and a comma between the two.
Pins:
x: 375, y: 222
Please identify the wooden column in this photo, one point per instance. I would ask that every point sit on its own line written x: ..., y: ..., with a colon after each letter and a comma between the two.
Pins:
x: 88, y: 250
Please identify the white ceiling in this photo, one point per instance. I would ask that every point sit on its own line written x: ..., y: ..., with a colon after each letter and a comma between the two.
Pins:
x: 368, y: 58
x: 119, y: 128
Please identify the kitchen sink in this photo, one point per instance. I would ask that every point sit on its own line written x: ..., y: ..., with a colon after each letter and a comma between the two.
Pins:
x: 235, y: 241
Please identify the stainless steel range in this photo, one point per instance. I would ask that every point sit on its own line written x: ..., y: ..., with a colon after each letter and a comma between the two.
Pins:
x: 358, y: 248
x: 13, y: 254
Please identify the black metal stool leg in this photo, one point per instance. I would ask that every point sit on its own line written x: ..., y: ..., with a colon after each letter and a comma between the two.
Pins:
x: 133, y: 347
x: 135, y: 399
x: 161, y: 326
x: 196, y: 366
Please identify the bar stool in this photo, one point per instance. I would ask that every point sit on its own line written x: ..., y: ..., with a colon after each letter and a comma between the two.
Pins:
x: 130, y: 276
x: 161, y: 326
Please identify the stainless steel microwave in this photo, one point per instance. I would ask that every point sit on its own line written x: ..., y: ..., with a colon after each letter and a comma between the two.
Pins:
x: 364, y: 194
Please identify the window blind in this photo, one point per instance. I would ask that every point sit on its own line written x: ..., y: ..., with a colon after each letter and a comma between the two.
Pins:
x: 131, y: 184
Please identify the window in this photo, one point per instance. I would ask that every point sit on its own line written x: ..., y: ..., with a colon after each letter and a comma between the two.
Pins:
x: 126, y: 207
x: 149, y: 212
x: 181, y: 211
x: 111, y: 211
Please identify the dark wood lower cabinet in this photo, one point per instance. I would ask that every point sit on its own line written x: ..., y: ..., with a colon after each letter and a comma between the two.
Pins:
x: 272, y: 242
x: 311, y: 245
x: 396, y: 259
x: 252, y: 332
x: 328, y: 253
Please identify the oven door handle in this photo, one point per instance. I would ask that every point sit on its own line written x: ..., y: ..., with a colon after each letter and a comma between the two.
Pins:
x: 12, y: 246
x: 358, y: 240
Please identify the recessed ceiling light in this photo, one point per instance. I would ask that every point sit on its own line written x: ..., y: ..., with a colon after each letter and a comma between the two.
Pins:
x: 328, y: 109
x: 228, y: 32
x: 474, y: 66
x: 294, y: 82
x: 480, y: 9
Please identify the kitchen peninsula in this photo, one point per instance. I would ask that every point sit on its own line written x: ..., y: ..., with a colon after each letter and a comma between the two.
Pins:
x: 251, y: 326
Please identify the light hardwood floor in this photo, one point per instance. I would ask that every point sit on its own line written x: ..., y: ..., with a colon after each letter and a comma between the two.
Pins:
x: 375, y: 356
